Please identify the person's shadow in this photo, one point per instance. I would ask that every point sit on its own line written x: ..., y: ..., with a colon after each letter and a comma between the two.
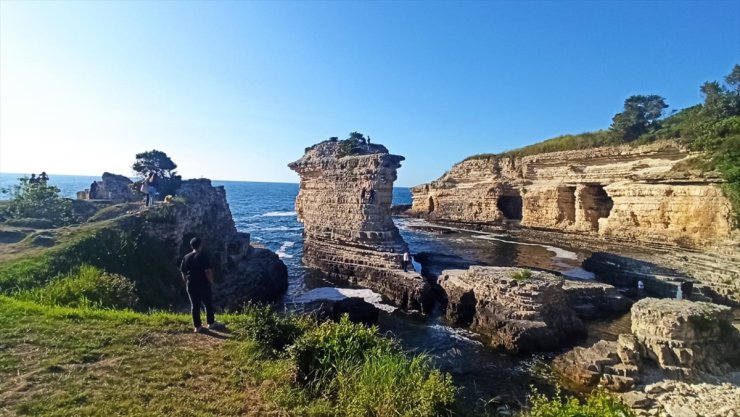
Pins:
x: 221, y: 332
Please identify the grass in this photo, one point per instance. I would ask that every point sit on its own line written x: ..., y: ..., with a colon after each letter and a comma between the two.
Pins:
x: 521, y: 275
x: 59, y: 361
x: 597, y: 404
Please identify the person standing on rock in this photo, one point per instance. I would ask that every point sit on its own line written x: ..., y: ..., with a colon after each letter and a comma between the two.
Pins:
x: 362, y: 195
x: 197, y: 273
x: 371, y: 197
x: 406, y: 259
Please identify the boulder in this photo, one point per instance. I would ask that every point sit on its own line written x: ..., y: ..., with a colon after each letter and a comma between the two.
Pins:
x: 516, y: 314
x: 358, y: 310
x: 113, y: 187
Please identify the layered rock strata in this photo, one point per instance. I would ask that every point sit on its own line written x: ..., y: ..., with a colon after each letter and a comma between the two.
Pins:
x: 512, y: 311
x: 244, y: 272
x: 348, y: 234
x: 682, y: 339
x: 643, y: 196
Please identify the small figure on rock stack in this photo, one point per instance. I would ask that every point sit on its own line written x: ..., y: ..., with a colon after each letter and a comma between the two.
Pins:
x: 371, y: 197
x: 43, y: 178
x: 406, y: 259
x: 362, y: 195
x: 33, y: 179
x: 197, y: 273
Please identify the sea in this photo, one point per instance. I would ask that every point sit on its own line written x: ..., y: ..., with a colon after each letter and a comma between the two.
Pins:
x: 267, y: 212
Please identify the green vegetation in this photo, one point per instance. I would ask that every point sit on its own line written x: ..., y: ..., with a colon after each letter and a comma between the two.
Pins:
x: 354, y: 145
x: 86, y: 286
x: 712, y: 128
x: 119, y: 246
x: 37, y: 201
x: 84, y: 361
x: 598, y: 404
x: 521, y: 275
x: 158, y: 163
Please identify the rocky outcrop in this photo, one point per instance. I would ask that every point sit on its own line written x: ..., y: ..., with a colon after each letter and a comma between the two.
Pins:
x: 641, y: 196
x: 116, y: 188
x: 348, y: 234
x: 591, y: 300
x: 683, y: 339
x: 244, y: 272
x: 513, y: 311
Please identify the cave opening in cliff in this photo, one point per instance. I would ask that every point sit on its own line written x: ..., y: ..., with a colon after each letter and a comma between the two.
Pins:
x: 596, y: 204
x: 510, y: 206
x: 567, y: 204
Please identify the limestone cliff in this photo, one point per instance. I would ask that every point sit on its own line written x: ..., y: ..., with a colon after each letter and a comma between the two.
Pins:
x: 630, y: 193
x: 641, y: 197
x: 245, y: 272
x: 347, y: 233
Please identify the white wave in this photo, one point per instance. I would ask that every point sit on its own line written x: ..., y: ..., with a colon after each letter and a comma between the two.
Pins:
x: 281, y: 229
x: 279, y: 214
x: 336, y: 294
x: 559, y: 252
x: 457, y: 333
x: 281, y: 252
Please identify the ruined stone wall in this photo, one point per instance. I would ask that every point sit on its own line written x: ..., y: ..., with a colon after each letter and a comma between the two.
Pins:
x: 633, y: 194
x: 350, y: 237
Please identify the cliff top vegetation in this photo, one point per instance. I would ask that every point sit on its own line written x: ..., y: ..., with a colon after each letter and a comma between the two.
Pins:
x: 712, y: 127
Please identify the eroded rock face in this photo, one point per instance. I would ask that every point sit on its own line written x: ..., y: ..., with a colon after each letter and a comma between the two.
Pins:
x: 113, y: 187
x: 684, y: 339
x: 523, y: 315
x: 350, y: 237
x: 244, y: 272
x: 622, y: 192
x: 642, y: 196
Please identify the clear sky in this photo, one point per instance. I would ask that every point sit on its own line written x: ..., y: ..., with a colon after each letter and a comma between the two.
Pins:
x: 236, y: 90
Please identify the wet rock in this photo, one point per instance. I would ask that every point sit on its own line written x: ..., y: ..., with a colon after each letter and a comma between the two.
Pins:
x: 592, y: 300
x: 518, y: 315
x: 43, y: 240
x: 358, y: 310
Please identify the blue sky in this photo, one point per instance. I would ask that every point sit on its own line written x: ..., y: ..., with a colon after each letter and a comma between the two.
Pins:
x: 236, y: 90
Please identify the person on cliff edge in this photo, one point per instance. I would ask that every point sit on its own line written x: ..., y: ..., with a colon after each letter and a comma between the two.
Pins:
x: 197, y: 273
x: 406, y: 258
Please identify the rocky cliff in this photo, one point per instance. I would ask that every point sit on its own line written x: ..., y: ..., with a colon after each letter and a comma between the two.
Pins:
x: 347, y: 233
x: 245, y: 272
x: 513, y: 311
x: 638, y: 197
x: 630, y: 193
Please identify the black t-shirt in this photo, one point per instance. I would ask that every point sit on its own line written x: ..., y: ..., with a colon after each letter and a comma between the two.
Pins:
x: 194, y: 266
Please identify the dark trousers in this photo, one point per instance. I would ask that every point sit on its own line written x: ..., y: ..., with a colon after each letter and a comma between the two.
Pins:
x: 200, y: 293
x: 405, y: 266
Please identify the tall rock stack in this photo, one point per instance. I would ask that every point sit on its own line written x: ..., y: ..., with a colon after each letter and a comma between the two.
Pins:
x: 348, y: 232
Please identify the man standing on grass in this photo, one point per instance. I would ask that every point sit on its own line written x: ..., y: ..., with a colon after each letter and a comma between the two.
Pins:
x: 197, y: 273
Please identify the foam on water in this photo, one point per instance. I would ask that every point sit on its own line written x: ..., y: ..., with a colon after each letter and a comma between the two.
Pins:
x: 279, y: 214
x: 336, y: 294
x: 281, y: 252
x: 559, y: 252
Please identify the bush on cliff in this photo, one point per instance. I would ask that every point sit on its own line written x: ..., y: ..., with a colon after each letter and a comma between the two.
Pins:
x: 84, y: 287
x: 597, y: 404
x: 38, y: 201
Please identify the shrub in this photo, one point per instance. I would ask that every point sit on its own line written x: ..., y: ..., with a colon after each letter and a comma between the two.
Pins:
x: 273, y: 332
x: 38, y: 201
x: 522, y: 275
x: 389, y: 384
x: 597, y: 404
x: 319, y: 352
x: 86, y: 286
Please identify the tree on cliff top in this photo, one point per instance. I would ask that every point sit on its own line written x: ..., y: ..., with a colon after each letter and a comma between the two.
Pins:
x: 639, y: 115
x: 162, y: 166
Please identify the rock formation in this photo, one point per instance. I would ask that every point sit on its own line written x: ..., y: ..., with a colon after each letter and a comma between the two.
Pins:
x: 683, y: 339
x: 518, y: 314
x: 347, y: 236
x: 641, y: 196
x: 244, y: 272
x: 115, y: 188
